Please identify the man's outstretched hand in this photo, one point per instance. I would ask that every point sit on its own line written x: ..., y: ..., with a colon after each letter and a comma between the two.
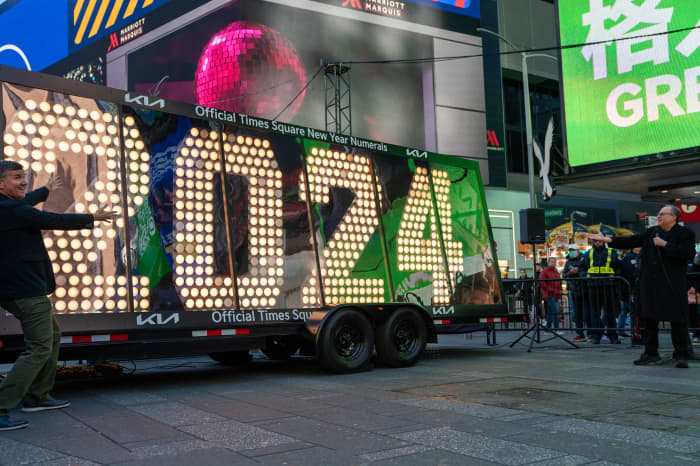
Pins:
x: 598, y: 237
x: 54, y: 182
x: 104, y: 215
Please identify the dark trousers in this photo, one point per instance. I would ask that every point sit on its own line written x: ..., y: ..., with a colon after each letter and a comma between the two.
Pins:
x: 603, y: 300
x: 578, y: 304
x: 34, y: 371
x: 679, y: 337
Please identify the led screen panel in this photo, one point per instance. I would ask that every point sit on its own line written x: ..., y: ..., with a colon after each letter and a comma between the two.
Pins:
x: 629, y: 97
x: 77, y: 140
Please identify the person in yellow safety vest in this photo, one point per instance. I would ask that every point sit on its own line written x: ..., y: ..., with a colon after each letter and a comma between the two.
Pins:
x: 602, y: 296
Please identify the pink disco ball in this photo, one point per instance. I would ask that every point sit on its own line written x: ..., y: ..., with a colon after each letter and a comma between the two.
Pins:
x: 252, y: 69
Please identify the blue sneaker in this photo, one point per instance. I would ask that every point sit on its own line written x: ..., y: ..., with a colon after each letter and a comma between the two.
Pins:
x: 32, y: 406
x: 8, y: 424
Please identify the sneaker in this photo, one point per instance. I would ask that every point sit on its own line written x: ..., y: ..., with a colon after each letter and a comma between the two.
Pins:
x: 8, y: 424
x: 596, y: 341
x: 646, y: 359
x: 579, y: 339
x: 616, y: 341
x: 682, y: 363
x: 33, y: 406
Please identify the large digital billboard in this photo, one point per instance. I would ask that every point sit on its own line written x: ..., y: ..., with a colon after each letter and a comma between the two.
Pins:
x: 635, y: 89
x: 33, y: 33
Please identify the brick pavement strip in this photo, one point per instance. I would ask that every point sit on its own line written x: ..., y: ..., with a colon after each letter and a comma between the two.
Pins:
x: 465, y: 404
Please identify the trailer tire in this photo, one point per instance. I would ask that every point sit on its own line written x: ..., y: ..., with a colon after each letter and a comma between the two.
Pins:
x: 346, y: 342
x: 280, y: 348
x: 401, y: 339
x: 232, y: 358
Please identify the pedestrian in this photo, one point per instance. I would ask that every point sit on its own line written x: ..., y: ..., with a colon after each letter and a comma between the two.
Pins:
x: 551, y: 292
x: 666, y: 250
x: 573, y: 269
x: 536, y: 298
x: 629, y: 270
x: 26, y: 278
x: 601, y: 264
x: 523, y: 290
x: 693, y: 295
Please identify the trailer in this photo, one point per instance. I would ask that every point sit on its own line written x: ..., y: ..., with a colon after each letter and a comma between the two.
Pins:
x: 236, y: 232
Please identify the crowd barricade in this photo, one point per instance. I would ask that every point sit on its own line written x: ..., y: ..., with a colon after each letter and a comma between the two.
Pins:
x: 584, y: 305
x: 608, y: 305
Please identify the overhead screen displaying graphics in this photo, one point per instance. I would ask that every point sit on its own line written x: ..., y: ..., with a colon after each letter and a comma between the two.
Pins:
x: 256, y: 221
x: 33, y: 33
x: 262, y: 58
x: 255, y: 57
x: 629, y: 97
x: 91, y: 20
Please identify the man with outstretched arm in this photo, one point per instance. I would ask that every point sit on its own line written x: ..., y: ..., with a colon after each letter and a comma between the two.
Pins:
x: 26, y: 278
x: 666, y: 249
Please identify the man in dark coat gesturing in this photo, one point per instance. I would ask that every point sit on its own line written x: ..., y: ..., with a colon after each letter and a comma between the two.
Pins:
x: 666, y: 249
x: 26, y: 277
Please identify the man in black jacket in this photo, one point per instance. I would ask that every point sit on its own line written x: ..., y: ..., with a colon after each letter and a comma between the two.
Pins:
x: 666, y: 250
x: 574, y: 269
x: 26, y: 277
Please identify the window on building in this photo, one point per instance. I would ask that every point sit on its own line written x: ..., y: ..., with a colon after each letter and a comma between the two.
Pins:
x: 544, y: 103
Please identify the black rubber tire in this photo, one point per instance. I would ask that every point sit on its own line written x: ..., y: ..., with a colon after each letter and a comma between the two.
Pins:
x: 401, y: 339
x: 346, y: 342
x: 281, y: 348
x: 232, y: 358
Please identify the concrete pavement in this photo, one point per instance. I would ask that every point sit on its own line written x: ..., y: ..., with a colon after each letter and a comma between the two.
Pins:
x: 465, y: 404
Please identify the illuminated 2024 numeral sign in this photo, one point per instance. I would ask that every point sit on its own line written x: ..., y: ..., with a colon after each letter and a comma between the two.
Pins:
x: 80, y: 135
x: 197, y: 167
x: 80, y: 140
x: 419, y: 254
x: 327, y: 169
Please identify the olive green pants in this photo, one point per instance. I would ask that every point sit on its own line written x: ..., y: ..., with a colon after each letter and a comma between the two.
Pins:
x: 34, y: 371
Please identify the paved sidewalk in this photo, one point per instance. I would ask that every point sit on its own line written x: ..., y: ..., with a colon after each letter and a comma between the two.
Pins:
x: 464, y: 404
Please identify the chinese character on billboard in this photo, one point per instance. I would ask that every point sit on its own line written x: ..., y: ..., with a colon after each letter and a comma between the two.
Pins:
x: 635, y: 90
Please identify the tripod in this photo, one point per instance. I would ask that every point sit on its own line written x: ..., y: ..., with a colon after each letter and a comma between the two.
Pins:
x: 534, y: 331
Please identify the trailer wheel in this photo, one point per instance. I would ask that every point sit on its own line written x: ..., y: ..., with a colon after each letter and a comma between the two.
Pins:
x: 231, y: 358
x: 400, y: 340
x: 346, y: 342
x: 280, y: 348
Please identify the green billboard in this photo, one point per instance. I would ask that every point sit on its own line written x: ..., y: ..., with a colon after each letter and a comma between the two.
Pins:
x: 635, y: 89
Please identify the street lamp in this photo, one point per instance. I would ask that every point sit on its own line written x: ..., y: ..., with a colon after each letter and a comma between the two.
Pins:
x: 575, y: 213
x: 528, y: 110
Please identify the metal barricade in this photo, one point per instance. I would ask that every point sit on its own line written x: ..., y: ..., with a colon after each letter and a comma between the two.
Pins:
x: 589, y: 306
x: 592, y: 307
